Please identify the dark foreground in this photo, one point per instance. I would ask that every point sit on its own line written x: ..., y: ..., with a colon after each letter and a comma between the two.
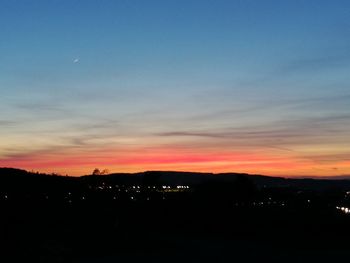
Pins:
x: 170, y: 232
x: 212, y: 222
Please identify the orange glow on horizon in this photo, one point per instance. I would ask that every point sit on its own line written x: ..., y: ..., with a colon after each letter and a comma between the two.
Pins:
x: 177, y: 159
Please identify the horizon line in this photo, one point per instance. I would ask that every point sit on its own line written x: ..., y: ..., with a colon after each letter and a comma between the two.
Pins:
x: 316, y: 177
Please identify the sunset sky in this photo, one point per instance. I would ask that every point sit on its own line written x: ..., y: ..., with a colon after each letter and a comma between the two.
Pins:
x: 215, y: 86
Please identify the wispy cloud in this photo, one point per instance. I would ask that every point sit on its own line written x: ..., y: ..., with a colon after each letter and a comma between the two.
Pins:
x: 317, y: 63
x: 41, y: 106
x: 286, y: 135
x: 6, y: 123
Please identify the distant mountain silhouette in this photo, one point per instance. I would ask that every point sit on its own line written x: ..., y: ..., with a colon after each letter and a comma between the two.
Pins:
x: 25, y: 180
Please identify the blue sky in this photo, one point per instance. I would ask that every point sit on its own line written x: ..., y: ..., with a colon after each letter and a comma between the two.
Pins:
x: 123, y: 76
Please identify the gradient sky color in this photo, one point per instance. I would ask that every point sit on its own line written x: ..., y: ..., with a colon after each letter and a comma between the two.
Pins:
x: 219, y: 86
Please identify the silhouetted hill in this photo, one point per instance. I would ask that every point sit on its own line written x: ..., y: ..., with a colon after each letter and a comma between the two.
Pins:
x: 306, y: 184
x: 5, y: 171
x: 24, y: 180
x: 21, y: 181
x: 57, y: 217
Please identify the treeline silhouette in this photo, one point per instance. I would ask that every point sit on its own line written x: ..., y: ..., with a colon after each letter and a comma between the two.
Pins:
x: 174, y: 215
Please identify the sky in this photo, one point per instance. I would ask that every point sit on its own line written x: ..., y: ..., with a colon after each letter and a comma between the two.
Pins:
x: 209, y: 86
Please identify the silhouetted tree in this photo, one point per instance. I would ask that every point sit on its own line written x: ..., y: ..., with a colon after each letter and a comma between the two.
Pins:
x: 105, y: 171
x: 96, y: 171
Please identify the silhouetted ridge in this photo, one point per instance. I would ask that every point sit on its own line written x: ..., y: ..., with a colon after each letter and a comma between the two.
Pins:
x: 24, y: 179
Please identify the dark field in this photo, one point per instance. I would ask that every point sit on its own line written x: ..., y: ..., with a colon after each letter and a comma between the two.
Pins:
x: 206, y: 223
